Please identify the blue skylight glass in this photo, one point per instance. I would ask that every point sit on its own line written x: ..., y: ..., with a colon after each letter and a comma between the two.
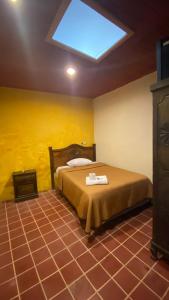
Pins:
x: 85, y: 30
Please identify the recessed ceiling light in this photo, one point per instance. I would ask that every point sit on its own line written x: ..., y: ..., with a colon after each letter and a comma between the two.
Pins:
x: 13, y: 0
x: 71, y: 71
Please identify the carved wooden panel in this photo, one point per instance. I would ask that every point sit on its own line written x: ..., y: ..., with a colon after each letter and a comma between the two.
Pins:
x: 59, y: 157
x: 160, y: 241
x: 62, y: 156
x: 163, y: 133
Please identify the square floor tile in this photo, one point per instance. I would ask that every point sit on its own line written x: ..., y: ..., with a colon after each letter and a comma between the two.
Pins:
x: 86, y: 261
x: 16, y: 232
x: 128, y: 229
x: 8, y: 290
x: 5, y: 247
x: 156, y: 283
x: 11, y: 220
x: 146, y: 230
x: 142, y: 292
x: 27, y: 279
x: 25, y: 214
x: 63, y: 230
x: 79, y: 232
x: 89, y: 243
x: 3, y: 229
x: 5, y: 259
x: 135, y: 223
x: 46, y: 268
x: 35, y: 293
x: 162, y: 267
x: 4, y: 237
x: 126, y: 280
x: 49, y: 212
x: 122, y: 254
x: 23, y: 264
x: 36, y: 211
x: 68, y: 218
x: 58, y: 223
x: 95, y: 297
x: 111, y: 288
x: 62, y: 258
x: 30, y: 227
x: 120, y: 235
x: 71, y: 272
x: 56, y: 246
x: 132, y: 245
x: 99, y: 251
x: 64, y: 295
x: 41, y: 255
x: 97, y: 276
x: 145, y: 256
x: 82, y: 289
x: 32, y: 235
x: 19, y: 241
x: 27, y: 220
x: 42, y: 222
x: 20, y: 252
x: 111, y: 264
x: 53, y: 285
x: 77, y: 249
x: 142, y: 218
x: 53, y: 217
x: 74, y: 224
x: 140, y: 238
x: 15, y: 225
x: 110, y: 243
x: 36, y: 244
x: 46, y: 228
x: 69, y: 239
x: 138, y: 267
x: 6, y: 273
x: 50, y: 237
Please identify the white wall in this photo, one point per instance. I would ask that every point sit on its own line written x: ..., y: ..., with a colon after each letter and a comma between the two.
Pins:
x: 123, y: 126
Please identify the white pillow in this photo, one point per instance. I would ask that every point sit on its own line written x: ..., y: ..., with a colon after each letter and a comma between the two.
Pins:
x: 77, y: 162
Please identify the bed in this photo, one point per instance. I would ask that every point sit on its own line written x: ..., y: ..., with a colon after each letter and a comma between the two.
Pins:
x: 97, y: 204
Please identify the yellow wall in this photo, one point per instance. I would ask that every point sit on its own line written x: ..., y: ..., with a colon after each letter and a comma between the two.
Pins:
x: 29, y: 123
x: 123, y: 126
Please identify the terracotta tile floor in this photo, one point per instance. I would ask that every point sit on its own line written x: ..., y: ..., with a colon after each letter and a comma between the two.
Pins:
x: 44, y: 254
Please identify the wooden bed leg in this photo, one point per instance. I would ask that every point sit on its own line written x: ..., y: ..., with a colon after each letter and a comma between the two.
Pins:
x: 91, y: 236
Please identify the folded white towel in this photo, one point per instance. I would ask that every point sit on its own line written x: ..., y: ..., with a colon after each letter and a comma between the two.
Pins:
x: 97, y: 180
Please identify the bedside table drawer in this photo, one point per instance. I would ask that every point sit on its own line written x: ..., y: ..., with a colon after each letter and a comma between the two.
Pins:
x: 24, y: 189
x: 28, y: 178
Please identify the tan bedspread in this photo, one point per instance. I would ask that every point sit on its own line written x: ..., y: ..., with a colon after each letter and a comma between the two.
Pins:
x: 98, y: 203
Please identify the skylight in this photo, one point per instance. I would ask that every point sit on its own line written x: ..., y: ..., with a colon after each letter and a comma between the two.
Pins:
x: 86, y: 31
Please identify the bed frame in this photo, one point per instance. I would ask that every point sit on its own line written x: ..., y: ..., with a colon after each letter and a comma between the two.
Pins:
x: 59, y: 157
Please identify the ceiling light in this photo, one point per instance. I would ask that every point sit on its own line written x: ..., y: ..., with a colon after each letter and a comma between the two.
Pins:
x: 71, y: 71
x: 13, y: 0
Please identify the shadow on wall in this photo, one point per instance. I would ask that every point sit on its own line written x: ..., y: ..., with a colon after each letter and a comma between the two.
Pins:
x: 7, y: 191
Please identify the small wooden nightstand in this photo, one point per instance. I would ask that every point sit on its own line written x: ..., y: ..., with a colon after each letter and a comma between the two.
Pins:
x: 25, y: 185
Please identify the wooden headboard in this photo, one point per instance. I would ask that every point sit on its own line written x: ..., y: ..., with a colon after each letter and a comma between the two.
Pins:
x: 59, y: 157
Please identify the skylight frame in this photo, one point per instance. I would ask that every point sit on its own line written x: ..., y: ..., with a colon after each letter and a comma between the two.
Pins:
x: 60, y: 13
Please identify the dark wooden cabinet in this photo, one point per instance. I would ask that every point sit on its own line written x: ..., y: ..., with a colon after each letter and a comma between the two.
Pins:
x: 160, y: 239
x: 25, y: 185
